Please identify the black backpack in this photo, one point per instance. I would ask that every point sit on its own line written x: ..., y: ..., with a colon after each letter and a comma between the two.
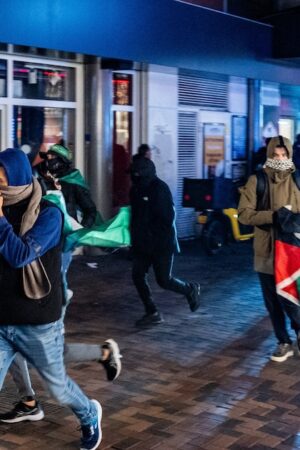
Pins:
x: 262, y: 189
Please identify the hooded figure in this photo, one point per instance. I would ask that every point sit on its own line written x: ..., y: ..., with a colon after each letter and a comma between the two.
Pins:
x: 23, y: 212
x: 31, y: 293
x: 56, y: 172
x: 153, y: 237
x: 282, y: 192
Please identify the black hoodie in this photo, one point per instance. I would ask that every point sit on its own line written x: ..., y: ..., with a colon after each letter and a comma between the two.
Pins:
x: 153, y: 214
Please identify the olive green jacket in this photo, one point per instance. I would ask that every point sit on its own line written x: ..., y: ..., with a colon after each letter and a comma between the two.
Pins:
x: 283, y: 192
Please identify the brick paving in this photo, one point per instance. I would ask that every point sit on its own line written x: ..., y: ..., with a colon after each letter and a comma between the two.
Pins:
x: 199, y: 381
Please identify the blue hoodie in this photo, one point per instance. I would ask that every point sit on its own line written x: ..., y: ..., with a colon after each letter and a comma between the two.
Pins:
x: 13, y: 160
x: 46, y: 232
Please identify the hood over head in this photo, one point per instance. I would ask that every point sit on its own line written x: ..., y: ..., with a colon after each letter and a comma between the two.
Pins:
x: 279, y: 141
x: 142, y: 167
x: 17, y: 167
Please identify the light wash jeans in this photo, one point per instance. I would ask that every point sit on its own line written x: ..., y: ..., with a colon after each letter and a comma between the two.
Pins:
x: 42, y: 346
x: 76, y: 352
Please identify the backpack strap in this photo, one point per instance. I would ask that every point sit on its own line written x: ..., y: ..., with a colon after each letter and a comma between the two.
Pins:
x: 262, y: 191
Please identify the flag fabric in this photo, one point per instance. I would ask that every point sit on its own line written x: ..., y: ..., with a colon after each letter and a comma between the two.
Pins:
x: 112, y: 233
x: 287, y: 255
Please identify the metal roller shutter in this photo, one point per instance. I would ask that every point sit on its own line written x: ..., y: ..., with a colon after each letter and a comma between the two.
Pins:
x: 187, y: 146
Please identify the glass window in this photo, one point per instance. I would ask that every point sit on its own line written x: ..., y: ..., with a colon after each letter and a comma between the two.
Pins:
x: 39, y: 81
x: 57, y: 54
x: 37, y: 128
x: 122, y: 88
x: 2, y: 78
x: 3, y: 47
x: 122, y: 130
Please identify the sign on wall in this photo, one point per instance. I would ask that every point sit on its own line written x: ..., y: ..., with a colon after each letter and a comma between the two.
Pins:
x: 213, y: 148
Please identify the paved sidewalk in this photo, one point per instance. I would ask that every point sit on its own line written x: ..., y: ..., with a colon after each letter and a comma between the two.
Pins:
x: 199, y: 381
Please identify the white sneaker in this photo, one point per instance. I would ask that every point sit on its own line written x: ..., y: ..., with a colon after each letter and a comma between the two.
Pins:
x: 282, y: 352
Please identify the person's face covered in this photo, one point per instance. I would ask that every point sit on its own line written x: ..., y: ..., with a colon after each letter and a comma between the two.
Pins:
x: 55, y: 165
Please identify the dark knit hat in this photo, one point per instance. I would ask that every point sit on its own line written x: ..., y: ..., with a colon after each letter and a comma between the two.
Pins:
x: 17, y: 167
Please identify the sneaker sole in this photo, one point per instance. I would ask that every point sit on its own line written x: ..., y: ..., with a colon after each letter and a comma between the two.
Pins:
x: 282, y: 358
x: 116, y: 353
x: 148, y: 325
x: 34, y: 418
x: 99, y: 412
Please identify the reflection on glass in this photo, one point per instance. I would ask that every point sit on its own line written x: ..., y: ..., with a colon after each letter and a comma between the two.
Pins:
x: 38, y: 128
x: 122, y: 130
x: 2, y: 78
x: 122, y: 89
x: 39, y: 81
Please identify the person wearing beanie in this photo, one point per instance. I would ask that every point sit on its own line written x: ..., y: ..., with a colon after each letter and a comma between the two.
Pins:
x: 153, y: 239
x: 56, y: 172
x: 31, y: 290
x: 280, y: 191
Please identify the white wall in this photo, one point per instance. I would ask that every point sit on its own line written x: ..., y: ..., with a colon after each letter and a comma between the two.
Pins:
x: 162, y: 123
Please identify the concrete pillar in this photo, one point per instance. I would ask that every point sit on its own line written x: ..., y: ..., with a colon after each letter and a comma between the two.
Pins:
x: 99, y: 136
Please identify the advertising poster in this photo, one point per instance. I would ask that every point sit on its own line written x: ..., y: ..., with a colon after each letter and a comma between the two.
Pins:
x: 239, y: 131
x: 214, y: 148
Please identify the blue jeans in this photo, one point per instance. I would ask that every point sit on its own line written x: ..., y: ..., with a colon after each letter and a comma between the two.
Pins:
x: 42, y: 346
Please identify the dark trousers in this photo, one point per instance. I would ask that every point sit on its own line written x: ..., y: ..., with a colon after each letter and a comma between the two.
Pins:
x: 278, y: 307
x: 162, y: 266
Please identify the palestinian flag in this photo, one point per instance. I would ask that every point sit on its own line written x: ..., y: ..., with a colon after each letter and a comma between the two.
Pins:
x: 287, y: 255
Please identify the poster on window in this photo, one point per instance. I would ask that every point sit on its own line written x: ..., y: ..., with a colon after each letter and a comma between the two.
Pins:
x: 214, y: 149
x: 238, y: 171
x: 239, y: 131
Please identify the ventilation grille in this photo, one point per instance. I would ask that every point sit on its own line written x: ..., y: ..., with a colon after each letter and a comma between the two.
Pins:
x: 187, y: 145
x: 197, y: 90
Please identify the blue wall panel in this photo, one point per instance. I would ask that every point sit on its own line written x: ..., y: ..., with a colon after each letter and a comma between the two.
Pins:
x: 162, y: 32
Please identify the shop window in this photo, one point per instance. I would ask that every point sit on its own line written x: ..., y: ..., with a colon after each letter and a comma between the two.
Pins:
x: 2, y: 78
x: 122, y: 89
x: 122, y: 125
x: 39, y: 81
x: 36, y: 129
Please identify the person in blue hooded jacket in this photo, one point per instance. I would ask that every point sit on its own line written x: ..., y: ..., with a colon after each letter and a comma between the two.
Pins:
x: 31, y: 291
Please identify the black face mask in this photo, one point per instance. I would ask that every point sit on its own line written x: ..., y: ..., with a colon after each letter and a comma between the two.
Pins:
x: 56, y: 166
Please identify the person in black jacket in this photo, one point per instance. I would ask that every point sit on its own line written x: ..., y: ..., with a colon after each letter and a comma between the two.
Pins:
x: 56, y: 172
x: 153, y: 239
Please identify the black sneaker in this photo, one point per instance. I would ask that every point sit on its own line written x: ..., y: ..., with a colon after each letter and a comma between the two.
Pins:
x: 282, y: 352
x: 23, y: 412
x: 149, y: 319
x: 194, y: 297
x: 112, y: 365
